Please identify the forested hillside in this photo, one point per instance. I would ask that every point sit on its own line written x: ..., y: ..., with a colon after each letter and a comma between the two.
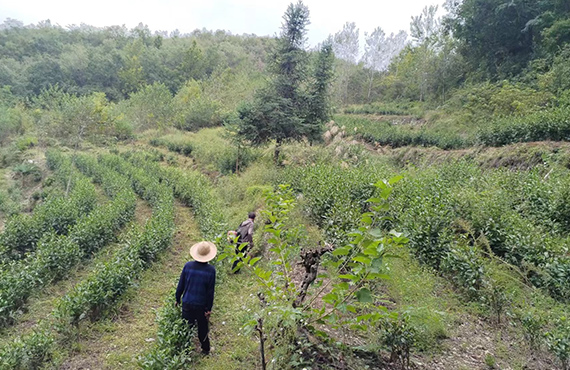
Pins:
x: 412, y: 192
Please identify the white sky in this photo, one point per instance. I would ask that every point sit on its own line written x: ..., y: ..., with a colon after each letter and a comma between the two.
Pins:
x: 237, y: 16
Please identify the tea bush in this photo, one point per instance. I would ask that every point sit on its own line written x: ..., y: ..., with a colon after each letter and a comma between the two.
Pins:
x: 57, y: 213
x: 9, y: 204
x: 558, y: 342
x: 466, y: 268
x: 27, y: 352
x: 171, y: 350
x: 100, y: 290
x: 386, y: 133
x: 55, y: 255
x: 552, y: 124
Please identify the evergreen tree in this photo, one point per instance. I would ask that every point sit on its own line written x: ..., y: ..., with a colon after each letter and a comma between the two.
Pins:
x: 292, y: 106
x: 318, y: 110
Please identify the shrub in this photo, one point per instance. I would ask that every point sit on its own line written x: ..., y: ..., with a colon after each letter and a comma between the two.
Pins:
x: 400, y: 338
x: 465, y: 267
x: 150, y: 107
x: 532, y: 323
x: 552, y: 124
x: 385, y: 133
x: 558, y: 342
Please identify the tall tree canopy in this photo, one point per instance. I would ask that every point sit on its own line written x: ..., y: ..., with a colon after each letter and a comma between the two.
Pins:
x: 293, y: 105
x: 500, y: 37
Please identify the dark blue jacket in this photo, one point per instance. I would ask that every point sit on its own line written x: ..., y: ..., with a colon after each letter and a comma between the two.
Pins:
x: 196, y: 285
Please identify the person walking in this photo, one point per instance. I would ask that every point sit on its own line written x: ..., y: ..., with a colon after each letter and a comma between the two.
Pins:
x: 245, y: 235
x: 196, y: 289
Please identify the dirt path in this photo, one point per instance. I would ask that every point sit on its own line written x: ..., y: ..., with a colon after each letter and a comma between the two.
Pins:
x: 42, y: 304
x: 476, y: 344
x: 232, y: 349
x: 117, y: 342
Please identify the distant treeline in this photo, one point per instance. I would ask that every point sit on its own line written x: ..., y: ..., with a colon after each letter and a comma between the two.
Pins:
x: 118, y: 61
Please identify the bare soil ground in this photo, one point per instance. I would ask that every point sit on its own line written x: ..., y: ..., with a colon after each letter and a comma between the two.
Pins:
x: 475, y: 344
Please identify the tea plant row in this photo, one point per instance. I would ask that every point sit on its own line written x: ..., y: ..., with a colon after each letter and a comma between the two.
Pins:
x: 460, y: 220
x: 550, y: 124
x: 55, y: 255
x: 195, y: 191
x: 104, y: 286
x: 386, y: 133
x: 56, y: 214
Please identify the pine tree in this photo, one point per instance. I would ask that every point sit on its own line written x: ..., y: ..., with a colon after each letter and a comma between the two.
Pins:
x: 292, y: 106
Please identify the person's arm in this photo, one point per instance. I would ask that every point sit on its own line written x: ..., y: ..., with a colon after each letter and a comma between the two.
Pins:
x: 250, y: 234
x: 210, y: 298
x: 181, y: 285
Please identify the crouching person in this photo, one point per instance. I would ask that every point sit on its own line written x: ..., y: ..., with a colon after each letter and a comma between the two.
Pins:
x: 196, y: 289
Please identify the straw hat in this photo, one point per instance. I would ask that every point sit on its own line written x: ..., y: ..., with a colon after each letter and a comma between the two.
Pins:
x: 203, y: 251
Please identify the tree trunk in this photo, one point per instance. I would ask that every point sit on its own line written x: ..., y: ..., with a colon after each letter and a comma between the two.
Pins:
x: 311, y: 260
x: 259, y: 328
x: 370, y: 86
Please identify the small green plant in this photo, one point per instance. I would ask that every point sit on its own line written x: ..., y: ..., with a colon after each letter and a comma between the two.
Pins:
x: 532, y: 324
x: 352, y: 270
x: 558, y: 342
x: 400, y: 337
x: 26, y: 171
x: 495, y: 297
x: 490, y: 361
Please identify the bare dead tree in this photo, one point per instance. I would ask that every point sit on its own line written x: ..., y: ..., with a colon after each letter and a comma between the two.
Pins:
x: 310, y: 260
x: 259, y: 329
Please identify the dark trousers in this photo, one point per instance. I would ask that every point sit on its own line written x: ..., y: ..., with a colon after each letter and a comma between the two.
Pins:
x: 196, y: 315
x: 238, y: 251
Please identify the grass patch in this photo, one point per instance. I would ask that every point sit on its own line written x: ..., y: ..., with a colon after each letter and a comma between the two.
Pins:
x: 426, y: 298
x: 211, y: 148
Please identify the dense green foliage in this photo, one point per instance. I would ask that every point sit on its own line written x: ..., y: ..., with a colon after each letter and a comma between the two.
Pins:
x: 115, y: 60
x: 56, y: 214
x: 499, y: 38
x: 55, y: 255
x: 292, y: 106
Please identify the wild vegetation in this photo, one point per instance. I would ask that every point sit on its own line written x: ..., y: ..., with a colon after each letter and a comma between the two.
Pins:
x: 412, y: 200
